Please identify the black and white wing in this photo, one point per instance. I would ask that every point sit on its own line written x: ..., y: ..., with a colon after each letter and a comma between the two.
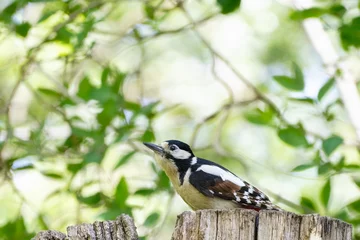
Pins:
x: 215, y: 181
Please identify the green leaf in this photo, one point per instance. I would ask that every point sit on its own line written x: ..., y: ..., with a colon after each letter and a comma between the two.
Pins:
x: 307, y: 13
x: 355, y: 205
x: 121, y: 193
x: 293, y: 136
x: 64, y: 35
x: 260, y: 117
x: 22, y: 29
x: 110, y: 110
x: 337, y: 10
x: 324, y: 89
x: 228, y: 6
x: 148, y: 136
x: 163, y: 181
x: 308, y: 205
x: 303, y: 167
x: 8, y: 12
x: 325, y: 168
x: 74, y: 167
x: 151, y: 220
x: 330, y: 144
x: 340, y: 165
x: 295, y: 83
x: 85, y: 89
x: 325, y: 193
x: 356, y: 181
x: 52, y: 175
x: 104, y: 75
x: 303, y: 100
x: 94, y: 156
x: 125, y: 159
x: 50, y: 92
x: 150, y: 11
x: 15, y: 229
x: 145, y: 191
x: 90, y: 200
x: 352, y: 166
x: 350, y: 34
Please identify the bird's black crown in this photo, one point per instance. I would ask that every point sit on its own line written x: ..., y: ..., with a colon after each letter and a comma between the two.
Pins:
x: 181, y: 145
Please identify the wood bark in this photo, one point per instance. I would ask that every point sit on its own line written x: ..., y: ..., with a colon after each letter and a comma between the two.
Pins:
x: 123, y: 228
x: 236, y: 224
x: 242, y: 224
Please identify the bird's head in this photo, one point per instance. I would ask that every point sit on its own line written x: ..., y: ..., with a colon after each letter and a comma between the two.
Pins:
x: 173, y: 156
x: 172, y: 150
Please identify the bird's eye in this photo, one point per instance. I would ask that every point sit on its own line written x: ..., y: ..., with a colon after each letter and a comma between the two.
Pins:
x: 172, y: 148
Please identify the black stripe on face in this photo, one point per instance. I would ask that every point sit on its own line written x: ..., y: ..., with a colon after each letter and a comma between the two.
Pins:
x: 181, y: 178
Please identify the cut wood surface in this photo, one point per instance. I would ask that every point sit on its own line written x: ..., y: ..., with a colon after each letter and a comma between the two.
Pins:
x: 237, y: 224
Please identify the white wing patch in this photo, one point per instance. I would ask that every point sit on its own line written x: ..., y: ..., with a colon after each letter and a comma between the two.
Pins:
x: 225, y: 175
x: 193, y: 160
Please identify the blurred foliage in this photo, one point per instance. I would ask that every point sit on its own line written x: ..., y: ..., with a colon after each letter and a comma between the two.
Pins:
x: 77, y: 160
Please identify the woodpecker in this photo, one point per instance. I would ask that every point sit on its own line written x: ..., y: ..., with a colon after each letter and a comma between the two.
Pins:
x: 203, y: 184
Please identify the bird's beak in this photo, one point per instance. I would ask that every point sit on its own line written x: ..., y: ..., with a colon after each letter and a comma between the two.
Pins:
x: 157, y: 149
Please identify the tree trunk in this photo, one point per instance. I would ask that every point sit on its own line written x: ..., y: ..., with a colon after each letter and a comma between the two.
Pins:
x: 123, y: 228
x: 251, y: 225
x: 237, y: 224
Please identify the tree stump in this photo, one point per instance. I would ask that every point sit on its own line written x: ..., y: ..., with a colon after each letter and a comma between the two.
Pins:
x: 123, y: 228
x: 242, y: 224
x: 236, y: 224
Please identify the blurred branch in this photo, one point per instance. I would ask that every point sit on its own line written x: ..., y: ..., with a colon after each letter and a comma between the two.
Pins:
x: 240, y: 76
x: 346, y: 81
x: 216, y: 114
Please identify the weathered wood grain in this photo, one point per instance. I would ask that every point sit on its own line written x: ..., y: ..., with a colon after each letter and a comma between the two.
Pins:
x: 236, y: 224
x: 123, y: 228
x: 241, y: 224
x: 274, y: 225
x: 317, y: 227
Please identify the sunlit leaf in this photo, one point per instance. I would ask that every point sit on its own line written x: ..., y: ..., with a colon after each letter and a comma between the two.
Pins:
x: 145, y: 191
x: 22, y: 29
x: 90, y: 200
x: 94, y: 156
x: 121, y: 193
x: 163, y: 181
x: 49, y: 92
x: 151, y: 220
x: 52, y: 175
x: 307, y: 13
x: 355, y: 205
x: 148, y: 136
x: 303, y: 167
x: 350, y: 34
x: 324, y: 89
x: 84, y: 89
x: 303, y: 100
x: 294, y: 83
x: 325, y: 168
x: 228, y: 6
x: 308, y: 205
x: 325, y: 193
x: 123, y: 160
x: 331, y: 143
x: 110, y: 110
x: 15, y: 229
x: 258, y: 116
x: 293, y: 136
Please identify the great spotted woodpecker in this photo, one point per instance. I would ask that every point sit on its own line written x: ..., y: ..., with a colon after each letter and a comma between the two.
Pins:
x: 203, y: 184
